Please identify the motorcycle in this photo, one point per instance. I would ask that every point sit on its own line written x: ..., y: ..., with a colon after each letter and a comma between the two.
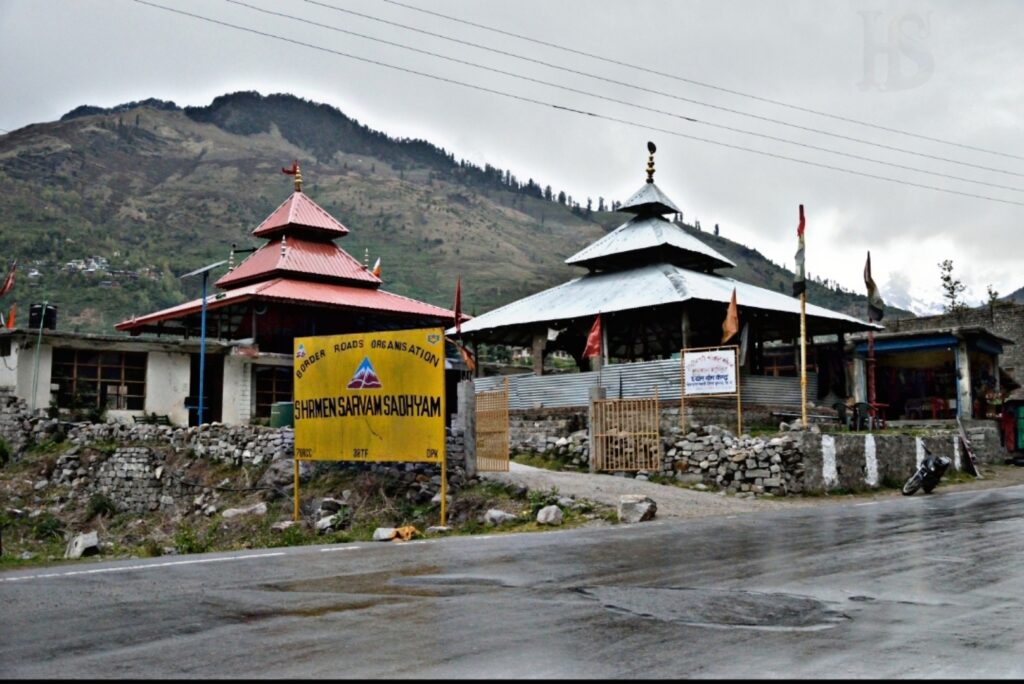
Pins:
x: 929, y: 473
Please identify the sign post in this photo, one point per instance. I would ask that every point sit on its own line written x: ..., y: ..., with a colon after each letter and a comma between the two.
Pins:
x: 371, y: 397
x: 711, y: 372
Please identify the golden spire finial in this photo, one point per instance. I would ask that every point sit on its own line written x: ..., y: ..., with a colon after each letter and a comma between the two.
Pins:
x: 650, y: 161
x: 294, y: 171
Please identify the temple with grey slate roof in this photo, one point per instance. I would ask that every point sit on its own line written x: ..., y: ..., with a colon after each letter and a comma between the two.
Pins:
x: 657, y: 290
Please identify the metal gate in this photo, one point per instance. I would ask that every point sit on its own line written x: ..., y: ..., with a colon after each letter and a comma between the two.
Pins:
x: 626, y: 435
x: 492, y: 430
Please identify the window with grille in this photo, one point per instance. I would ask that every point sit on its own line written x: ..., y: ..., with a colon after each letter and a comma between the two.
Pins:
x: 273, y: 384
x: 92, y: 378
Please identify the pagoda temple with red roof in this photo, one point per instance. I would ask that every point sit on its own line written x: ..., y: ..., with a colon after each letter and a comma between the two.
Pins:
x: 299, y: 283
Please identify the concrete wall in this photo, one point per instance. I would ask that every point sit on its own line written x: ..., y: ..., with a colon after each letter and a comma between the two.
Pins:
x: 237, y: 405
x: 9, y: 368
x: 167, y: 381
x: 26, y: 372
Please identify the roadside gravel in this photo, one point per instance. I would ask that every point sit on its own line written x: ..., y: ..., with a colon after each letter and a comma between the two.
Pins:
x: 672, y: 501
x: 677, y: 502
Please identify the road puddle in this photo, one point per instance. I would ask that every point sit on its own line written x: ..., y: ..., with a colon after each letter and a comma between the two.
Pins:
x: 719, y: 608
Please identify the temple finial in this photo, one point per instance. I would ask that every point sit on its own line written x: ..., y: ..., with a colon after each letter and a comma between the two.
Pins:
x: 650, y: 161
x: 294, y: 171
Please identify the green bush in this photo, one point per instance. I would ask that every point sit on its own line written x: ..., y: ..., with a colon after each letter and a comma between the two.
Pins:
x: 47, y: 526
x: 539, y: 500
x: 99, y: 505
x: 187, y: 540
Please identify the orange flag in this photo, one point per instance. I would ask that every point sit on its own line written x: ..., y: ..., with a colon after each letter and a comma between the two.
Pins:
x: 731, y: 324
x: 376, y: 268
x: 10, y: 316
x: 593, y: 347
x: 468, y: 358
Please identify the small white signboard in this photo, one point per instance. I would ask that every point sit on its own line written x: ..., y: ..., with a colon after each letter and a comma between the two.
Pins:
x: 710, y: 372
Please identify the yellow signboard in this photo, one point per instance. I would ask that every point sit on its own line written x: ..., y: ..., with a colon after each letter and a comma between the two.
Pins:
x: 370, y: 396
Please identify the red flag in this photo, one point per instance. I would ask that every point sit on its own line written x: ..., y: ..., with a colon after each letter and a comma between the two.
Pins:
x: 593, y: 347
x: 10, y: 316
x: 731, y: 325
x: 292, y: 171
x: 9, y: 280
x: 458, y: 305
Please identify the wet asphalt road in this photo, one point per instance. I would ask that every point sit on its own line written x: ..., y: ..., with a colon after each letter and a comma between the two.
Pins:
x: 928, y: 586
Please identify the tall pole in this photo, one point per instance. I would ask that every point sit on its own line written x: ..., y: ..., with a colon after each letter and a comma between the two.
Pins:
x: 803, y: 358
x: 202, y: 349
x: 871, y: 373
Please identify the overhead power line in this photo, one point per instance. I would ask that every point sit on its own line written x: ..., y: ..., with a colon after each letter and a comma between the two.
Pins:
x: 595, y: 115
x: 628, y: 103
x: 633, y: 86
x: 711, y: 86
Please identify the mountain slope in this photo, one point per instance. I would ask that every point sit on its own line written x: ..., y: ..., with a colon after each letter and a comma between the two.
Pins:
x: 105, y: 207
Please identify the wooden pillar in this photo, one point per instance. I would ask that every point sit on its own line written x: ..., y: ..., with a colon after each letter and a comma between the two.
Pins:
x: 686, y: 329
x: 540, y: 339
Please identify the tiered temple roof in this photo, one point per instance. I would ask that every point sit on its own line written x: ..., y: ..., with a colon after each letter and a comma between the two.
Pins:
x: 301, y: 265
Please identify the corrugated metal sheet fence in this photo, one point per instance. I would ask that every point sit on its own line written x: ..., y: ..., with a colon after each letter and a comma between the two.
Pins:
x: 633, y: 381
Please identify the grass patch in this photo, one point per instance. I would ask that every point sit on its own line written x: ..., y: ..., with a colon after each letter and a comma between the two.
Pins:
x: 539, y: 461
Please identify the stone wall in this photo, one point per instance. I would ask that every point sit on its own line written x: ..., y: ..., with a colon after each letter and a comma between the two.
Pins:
x: 129, y: 463
x: 15, y: 425
x: 786, y: 463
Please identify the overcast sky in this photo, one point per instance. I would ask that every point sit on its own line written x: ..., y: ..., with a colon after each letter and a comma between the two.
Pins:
x: 949, y: 71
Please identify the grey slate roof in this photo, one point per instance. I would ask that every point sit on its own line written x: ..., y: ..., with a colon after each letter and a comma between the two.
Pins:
x: 647, y: 232
x: 649, y: 200
x: 645, y: 286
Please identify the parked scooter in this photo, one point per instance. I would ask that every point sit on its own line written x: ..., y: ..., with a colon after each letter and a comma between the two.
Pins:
x: 928, y: 474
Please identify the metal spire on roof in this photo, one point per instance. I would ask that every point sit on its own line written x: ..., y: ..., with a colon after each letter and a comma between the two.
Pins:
x: 294, y: 171
x: 284, y: 243
x: 650, y: 161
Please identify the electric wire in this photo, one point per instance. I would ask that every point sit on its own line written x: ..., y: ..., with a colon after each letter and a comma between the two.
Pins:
x: 565, y: 108
x: 636, y: 105
x: 625, y: 84
x: 702, y: 84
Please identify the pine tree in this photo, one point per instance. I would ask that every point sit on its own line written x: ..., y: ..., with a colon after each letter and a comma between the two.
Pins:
x: 952, y: 288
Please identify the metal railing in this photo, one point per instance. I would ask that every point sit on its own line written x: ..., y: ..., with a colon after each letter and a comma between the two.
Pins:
x: 625, y: 434
x: 492, y: 438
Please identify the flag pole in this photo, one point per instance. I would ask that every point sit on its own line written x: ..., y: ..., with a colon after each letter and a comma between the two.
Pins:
x: 803, y: 359
x: 800, y: 287
x: 871, y: 373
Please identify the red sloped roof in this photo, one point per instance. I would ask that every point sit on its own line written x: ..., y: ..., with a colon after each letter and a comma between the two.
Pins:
x: 300, y: 292
x: 324, y: 259
x: 299, y: 211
